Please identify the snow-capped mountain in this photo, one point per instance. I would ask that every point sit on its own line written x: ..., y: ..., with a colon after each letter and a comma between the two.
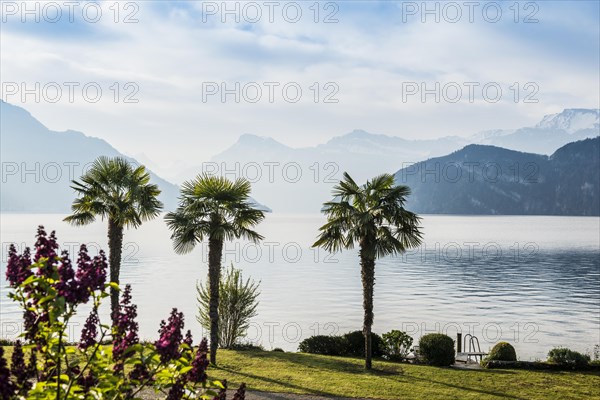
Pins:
x: 288, y: 179
x: 571, y: 120
x: 272, y: 166
x: 552, y: 132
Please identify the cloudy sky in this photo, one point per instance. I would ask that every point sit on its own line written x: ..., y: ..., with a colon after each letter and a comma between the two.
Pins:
x: 321, y: 69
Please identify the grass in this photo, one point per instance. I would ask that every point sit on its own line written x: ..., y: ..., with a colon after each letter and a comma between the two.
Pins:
x: 345, y: 377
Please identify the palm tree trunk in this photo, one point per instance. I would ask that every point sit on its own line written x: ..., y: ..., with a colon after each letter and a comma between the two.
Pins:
x: 115, y: 248
x: 215, y: 251
x: 367, y: 264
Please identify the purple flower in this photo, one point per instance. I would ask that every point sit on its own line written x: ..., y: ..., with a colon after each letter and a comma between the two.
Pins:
x: 188, y: 338
x: 7, y: 387
x: 67, y: 286
x: 90, y: 330
x: 140, y: 373
x: 170, y: 337
x: 18, y: 367
x: 45, y: 247
x: 32, y: 366
x: 177, y: 391
x: 31, y: 322
x: 125, y: 329
x: 240, y: 394
x: 87, y: 382
x: 90, y: 275
x: 200, y: 363
x: 18, y: 266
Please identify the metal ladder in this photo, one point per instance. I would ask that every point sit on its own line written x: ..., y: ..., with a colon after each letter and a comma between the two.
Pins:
x: 474, y: 349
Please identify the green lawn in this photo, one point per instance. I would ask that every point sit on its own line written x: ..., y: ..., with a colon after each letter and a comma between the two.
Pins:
x: 345, y: 377
x: 340, y: 376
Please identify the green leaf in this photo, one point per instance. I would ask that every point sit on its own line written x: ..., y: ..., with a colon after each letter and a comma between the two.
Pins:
x: 218, y: 384
x: 46, y: 299
x: 185, y: 370
x: 29, y: 280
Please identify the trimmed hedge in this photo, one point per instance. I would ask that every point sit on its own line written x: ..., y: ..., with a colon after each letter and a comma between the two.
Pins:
x: 502, y: 351
x: 321, y: 344
x: 540, y: 366
x: 354, y: 344
x: 437, y: 349
x: 350, y: 344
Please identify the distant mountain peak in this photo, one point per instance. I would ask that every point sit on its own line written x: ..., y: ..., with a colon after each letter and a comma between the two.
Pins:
x: 571, y: 120
x: 15, y: 115
x: 361, y: 136
x: 359, y: 133
x: 249, y: 138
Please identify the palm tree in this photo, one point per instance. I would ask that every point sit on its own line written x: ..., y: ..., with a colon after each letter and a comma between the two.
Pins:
x: 217, y: 209
x: 116, y: 190
x: 372, y: 215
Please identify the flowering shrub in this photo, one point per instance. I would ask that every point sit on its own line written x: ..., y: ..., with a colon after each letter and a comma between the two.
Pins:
x: 50, y: 290
x: 396, y: 345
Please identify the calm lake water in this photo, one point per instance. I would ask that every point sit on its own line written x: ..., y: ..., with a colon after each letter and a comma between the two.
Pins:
x: 533, y: 281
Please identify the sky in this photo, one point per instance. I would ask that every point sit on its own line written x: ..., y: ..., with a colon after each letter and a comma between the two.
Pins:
x: 180, y: 81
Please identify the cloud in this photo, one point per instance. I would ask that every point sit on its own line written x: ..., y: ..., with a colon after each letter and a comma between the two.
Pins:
x: 369, y: 56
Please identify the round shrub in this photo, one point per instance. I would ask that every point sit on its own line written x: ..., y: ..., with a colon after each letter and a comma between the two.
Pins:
x: 246, y: 347
x: 278, y: 350
x: 502, y: 351
x: 354, y: 344
x: 437, y: 349
x: 564, y: 356
x: 321, y: 344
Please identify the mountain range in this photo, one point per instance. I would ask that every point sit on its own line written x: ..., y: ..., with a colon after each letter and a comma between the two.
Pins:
x: 481, y: 179
x: 365, y: 154
x: 39, y: 162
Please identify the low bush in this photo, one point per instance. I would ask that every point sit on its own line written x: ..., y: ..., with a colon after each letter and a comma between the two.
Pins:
x: 321, y: 344
x: 354, y: 344
x: 396, y: 345
x: 247, y: 347
x: 540, y: 366
x: 350, y: 344
x: 437, y: 349
x: 278, y: 350
x: 502, y: 351
x: 564, y: 356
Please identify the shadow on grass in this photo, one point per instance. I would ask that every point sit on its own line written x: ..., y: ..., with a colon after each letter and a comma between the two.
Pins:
x: 468, y: 389
x: 485, y: 371
x: 349, y: 365
x: 546, y: 372
x: 304, y: 390
x: 387, y: 370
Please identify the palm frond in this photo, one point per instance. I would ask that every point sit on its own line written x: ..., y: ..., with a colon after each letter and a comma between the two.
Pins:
x: 371, y: 215
x: 216, y: 208
x: 113, y: 188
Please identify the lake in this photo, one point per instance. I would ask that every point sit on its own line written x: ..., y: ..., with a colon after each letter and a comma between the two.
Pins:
x: 532, y: 281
